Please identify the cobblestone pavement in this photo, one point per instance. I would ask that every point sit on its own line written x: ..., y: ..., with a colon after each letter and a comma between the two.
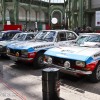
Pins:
x: 27, y: 82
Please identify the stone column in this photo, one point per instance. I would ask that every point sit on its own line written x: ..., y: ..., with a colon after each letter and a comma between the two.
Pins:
x: 81, y: 13
x: 3, y: 11
x: 16, y: 11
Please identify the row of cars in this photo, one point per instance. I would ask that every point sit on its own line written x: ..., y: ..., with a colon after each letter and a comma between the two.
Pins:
x: 64, y: 49
x: 33, y: 51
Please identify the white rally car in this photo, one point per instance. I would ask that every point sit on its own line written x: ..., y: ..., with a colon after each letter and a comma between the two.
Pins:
x: 79, y: 58
x: 33, y: 51
x: 23, y: 36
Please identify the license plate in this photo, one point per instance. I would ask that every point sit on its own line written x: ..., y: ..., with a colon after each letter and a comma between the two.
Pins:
x: 14, y: 58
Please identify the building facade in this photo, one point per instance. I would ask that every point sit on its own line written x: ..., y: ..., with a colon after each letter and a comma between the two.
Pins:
x: 33, y: 14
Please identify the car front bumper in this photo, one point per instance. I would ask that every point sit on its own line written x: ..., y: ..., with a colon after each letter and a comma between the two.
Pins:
x: 70, y: 70
x: 14, y: 58
x: 3, y: 51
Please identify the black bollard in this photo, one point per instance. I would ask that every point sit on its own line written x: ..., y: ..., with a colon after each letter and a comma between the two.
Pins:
x: 50, y: 84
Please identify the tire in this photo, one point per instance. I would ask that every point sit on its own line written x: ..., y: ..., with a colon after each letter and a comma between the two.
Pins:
x: 38, y: 61
x: 4, y: 56
x: 17, y: 62
x: 95, y: 76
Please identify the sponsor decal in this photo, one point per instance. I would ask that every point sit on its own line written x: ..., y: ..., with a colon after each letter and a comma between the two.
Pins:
x: 42, y: 46
x: 67, y: 51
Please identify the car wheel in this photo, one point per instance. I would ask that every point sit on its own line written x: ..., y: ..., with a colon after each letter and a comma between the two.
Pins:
x: 95, y: 76
x: 38, y: 61
x: 17, y: 63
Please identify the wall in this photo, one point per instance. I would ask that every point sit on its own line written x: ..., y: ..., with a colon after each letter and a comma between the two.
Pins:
x: 95, y: 3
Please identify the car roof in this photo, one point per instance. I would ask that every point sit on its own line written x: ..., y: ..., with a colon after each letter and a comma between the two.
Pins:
x: 59, y: 30
x: 11, y: 31
x: 89, y: 33
x: 25, y: 33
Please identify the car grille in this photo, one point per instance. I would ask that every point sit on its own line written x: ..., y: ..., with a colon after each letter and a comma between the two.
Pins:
x: 60, y: 62
x: 14, y: 51
x: 3, y: 49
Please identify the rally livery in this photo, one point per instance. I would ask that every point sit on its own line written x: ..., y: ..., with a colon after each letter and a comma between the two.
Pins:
x: 80, y: 58
x: 33, y: 51
x: 18, y: 37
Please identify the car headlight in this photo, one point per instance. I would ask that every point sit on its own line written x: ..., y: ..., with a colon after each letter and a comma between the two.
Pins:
x: 24, y: 52
x: 67, y: 64
x: 1, y: 46
x: 80, y: 63
x: 48, y: 60
x: 8, y: 51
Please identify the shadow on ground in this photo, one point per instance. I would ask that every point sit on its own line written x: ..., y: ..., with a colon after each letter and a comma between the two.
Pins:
x: 4, y: 58
x: 80, y: 84
x: 14, y: 72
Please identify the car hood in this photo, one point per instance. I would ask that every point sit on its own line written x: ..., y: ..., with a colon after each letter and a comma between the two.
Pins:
x: 28, y: 44
x: 75, y: 53
x: 5, y: 43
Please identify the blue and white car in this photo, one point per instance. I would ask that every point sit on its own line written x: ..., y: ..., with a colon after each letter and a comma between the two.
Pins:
x: 33, y: 51
x: 8, y: 35
x: 23, y: 36
x: 79, y: 58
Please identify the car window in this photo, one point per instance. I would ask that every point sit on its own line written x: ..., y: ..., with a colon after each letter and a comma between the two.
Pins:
x: 21, y: 37
x: 45, y: 36
x: 8, y: 35
x: 16, y: 36
x: 40, y: 35
x: 71, y: 36
x: 29, y: 36
x: 94, y: 39
x: 50, y: 36
x: 61, y: 36
x: 88, y: 38
x: 11, y: 35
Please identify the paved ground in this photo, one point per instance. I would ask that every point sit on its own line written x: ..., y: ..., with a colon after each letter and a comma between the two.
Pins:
x: 26, y: 81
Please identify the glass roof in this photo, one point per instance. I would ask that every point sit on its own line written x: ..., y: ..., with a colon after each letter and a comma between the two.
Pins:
x: 54, y: 1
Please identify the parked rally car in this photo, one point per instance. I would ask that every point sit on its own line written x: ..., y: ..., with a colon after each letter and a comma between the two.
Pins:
x: 79, y: 58
x: 18, y: 37
x: 8, y: 35
x: 33, y: 51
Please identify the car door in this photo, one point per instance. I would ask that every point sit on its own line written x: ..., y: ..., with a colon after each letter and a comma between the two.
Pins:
x: 70, y: 37
x: 61, y: 38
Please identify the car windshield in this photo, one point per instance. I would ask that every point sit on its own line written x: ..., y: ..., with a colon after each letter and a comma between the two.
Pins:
x: 45, y: 36
x: 8, y: 36
x: 16, y: 36
x: 21, y: 37
x: 88, y: 38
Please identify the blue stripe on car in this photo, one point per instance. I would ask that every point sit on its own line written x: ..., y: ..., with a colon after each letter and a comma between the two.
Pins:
x: 87, y: 59
x: 30, y: 50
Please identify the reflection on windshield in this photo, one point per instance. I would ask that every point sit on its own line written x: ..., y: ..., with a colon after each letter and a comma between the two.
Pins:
x: 19, y: 37
x: 16, y: 36
x: 45, y: 36
x: 88, y: 38
x: 40, y: 35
